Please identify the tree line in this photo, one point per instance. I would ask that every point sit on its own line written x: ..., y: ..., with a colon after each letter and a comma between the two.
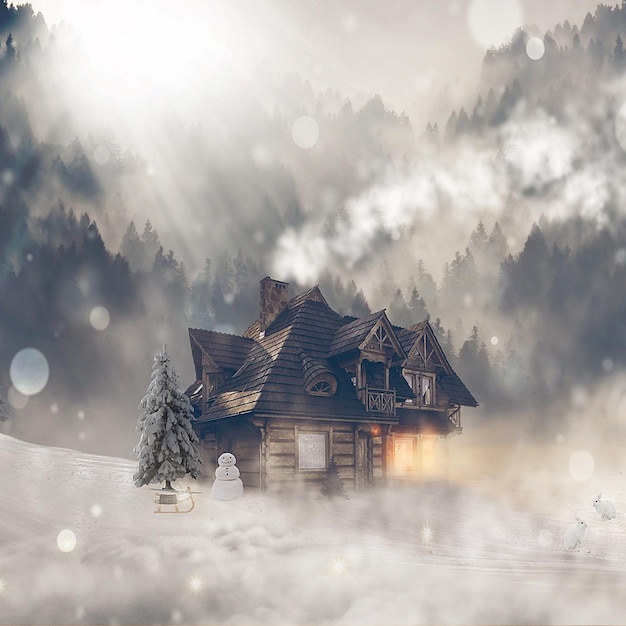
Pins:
x: 520, y: 328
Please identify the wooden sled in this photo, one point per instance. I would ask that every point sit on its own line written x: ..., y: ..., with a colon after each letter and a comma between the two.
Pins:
x: 174, y: 499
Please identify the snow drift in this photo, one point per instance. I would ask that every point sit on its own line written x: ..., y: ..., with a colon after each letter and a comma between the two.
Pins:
x: 436, y: 552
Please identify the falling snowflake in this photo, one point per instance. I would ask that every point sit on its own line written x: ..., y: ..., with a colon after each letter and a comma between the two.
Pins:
x: 196, y: 583
x: 338, y: 565
x: 427, y: 533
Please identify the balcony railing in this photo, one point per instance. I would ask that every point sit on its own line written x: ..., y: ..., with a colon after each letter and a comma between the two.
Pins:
x: 381, y: 401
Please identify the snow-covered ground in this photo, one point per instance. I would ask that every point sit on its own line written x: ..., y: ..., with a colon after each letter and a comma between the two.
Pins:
x: 485, y: 551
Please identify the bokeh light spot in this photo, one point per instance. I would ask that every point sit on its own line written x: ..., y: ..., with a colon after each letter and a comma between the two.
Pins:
x: 16, y: 399
x: 99, y: 318
x: 96, y: 510
x: 80, y: 415
x: 579, y: 396
x: 101, y: 155
x: 535, y: 48
x: 350, y: 23
x: 493, y: 22
x: 305, y: 132
x: 54, y: 408
x: 29, y: 371
x: 581, y: 465
x: 66, y: 540
x: 260, y: 154
x: 8, y: 177
x: 494, y: 341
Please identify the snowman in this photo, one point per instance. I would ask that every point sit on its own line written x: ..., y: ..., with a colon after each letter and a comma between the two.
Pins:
x: 227, y: 484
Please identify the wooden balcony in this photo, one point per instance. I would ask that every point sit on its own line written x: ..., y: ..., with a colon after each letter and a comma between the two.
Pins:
x: 379, y: 401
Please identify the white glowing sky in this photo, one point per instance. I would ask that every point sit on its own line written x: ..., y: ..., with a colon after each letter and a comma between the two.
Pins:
x: 402, y: 50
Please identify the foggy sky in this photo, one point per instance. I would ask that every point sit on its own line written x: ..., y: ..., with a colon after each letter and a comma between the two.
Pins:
x: 408, y: 52
x: 190, y: 107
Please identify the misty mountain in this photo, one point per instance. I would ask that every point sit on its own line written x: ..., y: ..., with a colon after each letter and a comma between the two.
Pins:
x: 502, y: 222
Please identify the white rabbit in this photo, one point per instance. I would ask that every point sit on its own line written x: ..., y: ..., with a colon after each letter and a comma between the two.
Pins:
x: 605, y: 508
x: 574, y: 534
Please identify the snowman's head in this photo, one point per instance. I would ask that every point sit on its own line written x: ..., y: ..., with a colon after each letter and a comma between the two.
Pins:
x: 226, y: 460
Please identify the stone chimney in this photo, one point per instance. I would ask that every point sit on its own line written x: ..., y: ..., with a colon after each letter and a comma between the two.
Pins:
x: 274, y: 299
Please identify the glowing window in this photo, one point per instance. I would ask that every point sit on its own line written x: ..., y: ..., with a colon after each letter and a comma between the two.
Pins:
x: 423, y: 386
x: 429, y: 453
x: 312, y: 451
x: 404, y: 454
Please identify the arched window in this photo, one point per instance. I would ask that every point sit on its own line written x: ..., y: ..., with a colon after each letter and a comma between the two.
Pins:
x: 323, y: 386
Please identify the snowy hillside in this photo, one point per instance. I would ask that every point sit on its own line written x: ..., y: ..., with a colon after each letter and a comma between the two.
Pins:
x: 433, y: 553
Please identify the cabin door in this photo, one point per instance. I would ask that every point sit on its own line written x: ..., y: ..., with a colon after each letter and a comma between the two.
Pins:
x: 364, y: 460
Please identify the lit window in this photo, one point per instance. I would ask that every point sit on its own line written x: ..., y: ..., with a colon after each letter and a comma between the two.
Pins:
x: 426, y: 391
x: 423, y: 386
x: 404, y: 454
x: 312, y: 451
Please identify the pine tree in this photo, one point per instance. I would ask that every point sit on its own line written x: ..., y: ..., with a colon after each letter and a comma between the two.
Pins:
x: 4, y: 412
x: 332, y: 485
x: 399, y: 311
x: 166, y: 450
x: 151, y: 245
x: 132, y: 249
x: 417, y: 307
x: 201, y: 307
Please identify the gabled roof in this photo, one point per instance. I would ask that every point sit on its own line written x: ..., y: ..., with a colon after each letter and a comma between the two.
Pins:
x: 412, y: 339
x: 270, y: 373
x: 456, y: 391
x: 310, y: 294
x: 273, y: 380
x: 227, y: 352
x: 351, y: 335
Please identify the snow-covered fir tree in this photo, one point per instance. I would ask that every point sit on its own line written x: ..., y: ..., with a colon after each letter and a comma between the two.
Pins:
x: 167, y: 447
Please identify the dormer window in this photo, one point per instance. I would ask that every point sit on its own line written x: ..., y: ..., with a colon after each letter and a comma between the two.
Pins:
x: 423, y: 386
x: 323, y: 386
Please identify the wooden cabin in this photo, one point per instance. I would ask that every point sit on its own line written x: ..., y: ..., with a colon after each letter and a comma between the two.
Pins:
x: 304, y: 384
